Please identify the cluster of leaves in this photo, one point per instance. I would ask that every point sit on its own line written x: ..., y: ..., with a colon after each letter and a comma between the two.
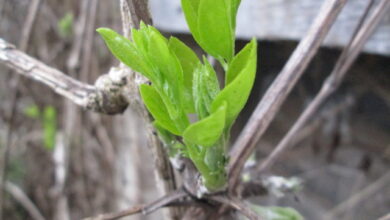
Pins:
x: 183, y: 85
x: 48, y: 117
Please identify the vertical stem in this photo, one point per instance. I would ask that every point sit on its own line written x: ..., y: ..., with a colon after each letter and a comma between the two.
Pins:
x: 134, y: 11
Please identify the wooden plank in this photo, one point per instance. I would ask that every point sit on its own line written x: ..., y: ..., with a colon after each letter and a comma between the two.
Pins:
x: 281, y: 20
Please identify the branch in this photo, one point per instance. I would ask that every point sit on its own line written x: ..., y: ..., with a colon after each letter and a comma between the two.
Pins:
x: 132, y: 14
x: 363, y: 195
x: 238, y: 205
x: 106, y: 97
x: 22, y: 198
x: 281, y: 87
x: 385, y: 217
x: 15, y: 95
x: 111, y: 94
x: 144, y: 209
x: 345, y: 61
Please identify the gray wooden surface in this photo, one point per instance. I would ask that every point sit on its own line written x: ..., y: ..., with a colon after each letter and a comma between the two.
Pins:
x: 281, y: 20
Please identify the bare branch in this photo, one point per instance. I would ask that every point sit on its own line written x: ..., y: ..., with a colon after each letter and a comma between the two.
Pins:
x: 144, y: 209
x: 385, y: 217
x: 281, y: 87
x: 22, y: 198
x: 104, y: 97
x: 23, y: 43
x: 238, y: 205
x: 364, y: 194
x: 345, y: 61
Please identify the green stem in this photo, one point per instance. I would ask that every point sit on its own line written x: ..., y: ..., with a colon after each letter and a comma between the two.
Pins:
x: 214, y: 178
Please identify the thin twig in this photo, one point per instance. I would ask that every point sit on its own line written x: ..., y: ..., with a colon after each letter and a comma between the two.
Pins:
x: 78, y: 40
x: 88, y: 35
x: 385, y: 217
x: 238, y: 205
x: 23, y: 44
x: 23, y: 199
x: 281, y: 87
x: 144, y: 209
x: 346, y: 59
x: 364, y: 194
x: 29, y: 24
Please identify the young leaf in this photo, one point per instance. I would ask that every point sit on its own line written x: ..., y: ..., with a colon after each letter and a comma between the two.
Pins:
x: 49, y: 127
x: 161, y: 56
x: 190, y: 9
x: 240, y: 83
x: 65, y: 25
x: 198, y: 93
x: 215, y: 28
x: 169, y: 140
x: 205, y: 88
x: 32, y: 111
x: 140, y: 41
x: 189, y: 61
x: 239, y: 62
x: 234, y: 8
x: 124, y: 51
x: 214, y: 158
x: 156, y: 107
x: 206, y: 132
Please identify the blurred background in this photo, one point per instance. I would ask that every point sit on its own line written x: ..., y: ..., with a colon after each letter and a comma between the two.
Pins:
x: 61, y: 162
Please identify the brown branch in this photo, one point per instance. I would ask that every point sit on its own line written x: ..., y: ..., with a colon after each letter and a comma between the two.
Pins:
x: 111, y: 94
x: 345, y: 61
x: 362, y: 195
x: 15, y: 94
x: 22, y: 198
x: 144, y: 209
x: 237, y: 205
x: 104, y: 97
x: 281, y: 87
x: 385, y: 217
x: 173, y: 199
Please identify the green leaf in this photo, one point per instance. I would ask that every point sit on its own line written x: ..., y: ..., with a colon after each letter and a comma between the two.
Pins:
x: 170, y: 142
x: 140, y: 41
x: 234, y: 8
x: 161, y: 56
x: 215, y: 158
x: 205, y: 89
x: 207, y: 131
x: 65, y: 25
x: 240, y: 61
x: 32, y: 111
x: 200, y: 104
x: 277, y: 213
x: 171, y: 74
x: 189, y: 62
x: 239, y: 82
x: 156, y: 107
x: 49, y: 127
x: 190, y: 9
x: 125, y: 51
x: 215, y: 28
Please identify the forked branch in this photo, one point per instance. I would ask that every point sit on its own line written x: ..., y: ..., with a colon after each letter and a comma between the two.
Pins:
x: 345, y: 61
x: 280, y: 88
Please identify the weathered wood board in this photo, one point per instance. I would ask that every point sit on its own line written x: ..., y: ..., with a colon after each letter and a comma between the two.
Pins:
x: 281, y: 20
